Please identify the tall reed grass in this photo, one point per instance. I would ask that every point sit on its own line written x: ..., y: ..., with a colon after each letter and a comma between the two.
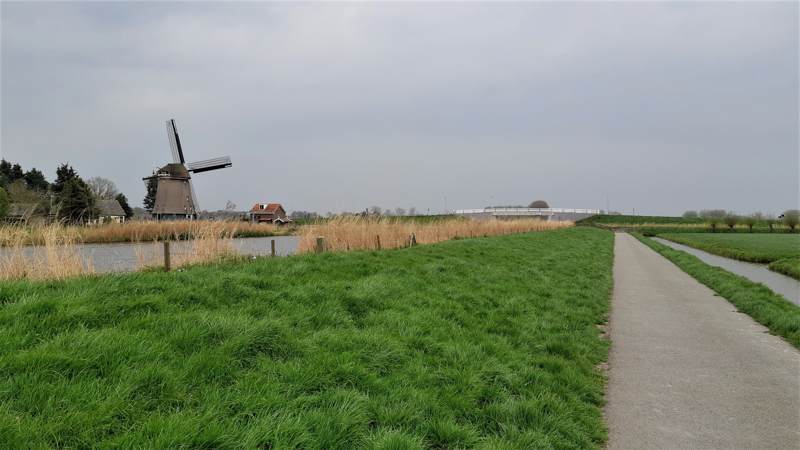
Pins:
x: 56, y: 258
x: 134, y: 231
x: 365, y: 233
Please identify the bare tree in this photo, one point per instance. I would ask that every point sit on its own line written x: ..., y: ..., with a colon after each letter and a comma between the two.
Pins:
x: 102, y: 187
x: 731, y: 220
x: 230, y: 206
x: 690, y: 215
x: 412, y: 211
x: 399, y: 212
x: 750, y: 221
x: 375, y: 210
x: 791, y: 218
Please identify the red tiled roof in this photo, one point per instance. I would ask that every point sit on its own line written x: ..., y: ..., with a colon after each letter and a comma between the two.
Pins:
x: 271, y: 208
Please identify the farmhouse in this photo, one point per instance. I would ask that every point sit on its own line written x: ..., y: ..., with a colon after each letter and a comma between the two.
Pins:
x: 268, y: 213
x: 109, y: 210
x: 21, y: 212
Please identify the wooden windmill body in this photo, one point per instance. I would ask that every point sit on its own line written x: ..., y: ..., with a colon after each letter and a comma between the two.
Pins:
x: 175, y: 198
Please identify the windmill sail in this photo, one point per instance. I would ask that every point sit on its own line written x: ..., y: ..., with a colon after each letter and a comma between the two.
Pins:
x: 174, y: 142
x: 209, y: 164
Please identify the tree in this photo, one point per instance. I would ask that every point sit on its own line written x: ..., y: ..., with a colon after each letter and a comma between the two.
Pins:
x: 750, y: 221
x: 76, y: 203
x: 412, y: 211
x: 731, y: 220
x: 4, y: 202
x: 18, y: 192
x: 230, y: 206
x: 791, y: 218
x: 64, y: 173
x: 771, y: 221
x: 73, y: 196
x: 102, y: 187
x: 150, y: 197
x: 123, y: 202
x: 709, y: 213
x: 399, y: 212
x: 713, y: 221
x: 36, y: 180
x: 690, y: 215
x: 375, y: 210
x: 5, y: 171
x: 16, y: 173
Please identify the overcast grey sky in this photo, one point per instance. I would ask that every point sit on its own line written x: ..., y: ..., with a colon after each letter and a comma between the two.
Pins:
x: 329, y: 107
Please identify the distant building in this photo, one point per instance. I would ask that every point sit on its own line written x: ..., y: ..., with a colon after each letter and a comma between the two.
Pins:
x: 20, y: 212
x: 268, y: 213
x: 109, y: 211
x: 557, y: 214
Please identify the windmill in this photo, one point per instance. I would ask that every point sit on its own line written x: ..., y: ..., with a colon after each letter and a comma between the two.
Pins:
x: 175, y: 198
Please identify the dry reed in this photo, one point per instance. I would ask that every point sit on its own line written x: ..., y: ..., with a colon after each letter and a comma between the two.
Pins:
x: 133, y: 231
x: 360, y: 233
x: 56, y: 258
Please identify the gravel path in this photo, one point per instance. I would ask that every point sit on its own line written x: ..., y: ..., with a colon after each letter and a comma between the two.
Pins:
x: 687, y: 371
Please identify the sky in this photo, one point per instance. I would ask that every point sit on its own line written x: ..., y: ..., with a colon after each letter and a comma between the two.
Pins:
x: 656, y: 108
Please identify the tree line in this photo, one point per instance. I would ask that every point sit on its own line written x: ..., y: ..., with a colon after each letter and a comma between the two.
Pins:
x: 718, y: 217
x: 69, y: 198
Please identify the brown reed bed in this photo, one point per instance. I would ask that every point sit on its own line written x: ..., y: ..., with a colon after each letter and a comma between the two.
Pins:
x: 56, y: 258
x: 368, y: 233
x: 133, y: 231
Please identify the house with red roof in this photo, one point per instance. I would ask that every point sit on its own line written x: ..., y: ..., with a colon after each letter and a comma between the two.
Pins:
x: 268, y: 213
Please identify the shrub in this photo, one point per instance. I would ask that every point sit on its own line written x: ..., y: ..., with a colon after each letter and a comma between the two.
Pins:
x: 3, y: 202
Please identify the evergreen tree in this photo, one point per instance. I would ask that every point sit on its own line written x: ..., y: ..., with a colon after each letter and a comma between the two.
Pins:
x: 36, y: 180
x: 5, y: 172
x: 150, y: 198
x: 4, y: 202
x: 73, y: 196
x: 64, y: 173
x: 16, y: 173
x: 123, y: 201
x: 76, y: 203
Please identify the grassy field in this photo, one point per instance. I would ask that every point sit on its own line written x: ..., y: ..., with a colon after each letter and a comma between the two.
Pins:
x: 634, y: 220
x: 781, y: 251
x: 658, y: 225
x: 759, y: 302
x: 473, y: 343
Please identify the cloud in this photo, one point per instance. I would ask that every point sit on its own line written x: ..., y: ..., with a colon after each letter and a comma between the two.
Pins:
x: 661, y: 107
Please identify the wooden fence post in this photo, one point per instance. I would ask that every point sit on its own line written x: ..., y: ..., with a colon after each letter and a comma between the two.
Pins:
x: 166, y: 256
x: 320, y: 244
x: 272, y: 247
x: 378, y: 241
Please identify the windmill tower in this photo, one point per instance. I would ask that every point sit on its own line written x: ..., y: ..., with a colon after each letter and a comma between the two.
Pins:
x: 175, y: 198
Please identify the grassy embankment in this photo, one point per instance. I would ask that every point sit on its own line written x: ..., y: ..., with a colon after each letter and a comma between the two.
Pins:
x: 780, y: 251
x: 779, y: 315
x: 658, y: 225
x: 486, y: 342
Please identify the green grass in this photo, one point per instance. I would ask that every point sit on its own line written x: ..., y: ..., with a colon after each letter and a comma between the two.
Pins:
x: 779, y: 315
x: 780, y: 251
x: 476, y: 343
x: 787, y: 266
x: 633, y: 220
